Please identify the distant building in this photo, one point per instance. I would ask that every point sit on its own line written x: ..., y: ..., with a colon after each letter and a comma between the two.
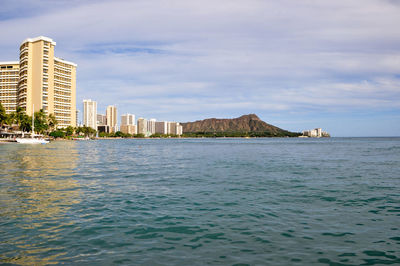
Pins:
x: 161, y: 127
x: 9, y: 76
x: 151, y: 126
x: 111, y: 114
x: 77, y: 118
x: 103, y: 128
x: 90, y: 113
x: 174, y: 128
x: 101, y: 120
x: 127, y: 119
x: 315, y: 133
x: 142, y: 126
x: 128, y: 129
x: 179, y: 130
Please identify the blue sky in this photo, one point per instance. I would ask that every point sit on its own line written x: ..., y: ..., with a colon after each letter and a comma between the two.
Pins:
x: 296, y: 64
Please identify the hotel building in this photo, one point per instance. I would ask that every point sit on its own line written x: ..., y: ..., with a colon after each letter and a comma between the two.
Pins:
x: 151, y: 126
x: 111, y: 118
x: 174, y: 128
x: 162, y: 127
x: 127, y: 119
x: 77, y: 118
x: 101, y: 120
x: 142, y: 126
x: 90, y: 114
x: 44, y: 81
x: 9, y: 76
x: 315, y: 133
x: 128, y: 124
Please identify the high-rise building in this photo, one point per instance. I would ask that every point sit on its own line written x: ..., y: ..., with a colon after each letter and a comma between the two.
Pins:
x: 127, y: 119
x: 128, y: 124
x: 162, y: 127
x: 101, y: 120
x: 179, y: 130
x: 151, y: 126
x: 77, y: 118
x: 111, y: 114
x: 9, y: 76
x: 128, y: 129
x: 174, y: 128
x: 142, y: 126
x: 90, y: 113
x: 45, y: 82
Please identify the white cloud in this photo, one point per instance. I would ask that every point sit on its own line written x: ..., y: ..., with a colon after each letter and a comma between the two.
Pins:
x: 259, y: 56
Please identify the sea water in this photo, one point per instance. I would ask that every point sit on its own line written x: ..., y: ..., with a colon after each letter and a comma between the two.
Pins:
x: 267, y: 201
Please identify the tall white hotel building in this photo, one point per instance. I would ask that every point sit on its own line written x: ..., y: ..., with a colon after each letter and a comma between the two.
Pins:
x: 41, y: 80
x: 90, y: 114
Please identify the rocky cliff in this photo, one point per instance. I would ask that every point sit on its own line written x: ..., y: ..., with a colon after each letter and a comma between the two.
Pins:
x: 245, y: 123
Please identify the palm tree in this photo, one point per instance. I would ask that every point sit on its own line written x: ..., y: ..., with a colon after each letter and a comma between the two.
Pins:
x: 52, y: 122
x: 18, y: 116
x: 41, y: 125
x: 25, y: 123
x: 3, y: 115
x: 69, y: 131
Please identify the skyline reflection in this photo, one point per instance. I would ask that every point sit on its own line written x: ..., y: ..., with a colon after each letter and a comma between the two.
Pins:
x: 37, y: 190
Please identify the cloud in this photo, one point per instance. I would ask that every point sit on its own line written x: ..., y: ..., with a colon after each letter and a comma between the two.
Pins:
x: 193, y: 58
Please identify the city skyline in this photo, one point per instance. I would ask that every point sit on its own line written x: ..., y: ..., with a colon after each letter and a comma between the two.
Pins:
x: 127, y: 123
x: 296, y: 65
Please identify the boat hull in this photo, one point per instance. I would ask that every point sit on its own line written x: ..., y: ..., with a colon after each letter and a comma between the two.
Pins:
x: 32, y: 141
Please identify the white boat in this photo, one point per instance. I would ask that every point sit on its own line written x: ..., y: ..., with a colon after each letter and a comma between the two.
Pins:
x: 32, y: 140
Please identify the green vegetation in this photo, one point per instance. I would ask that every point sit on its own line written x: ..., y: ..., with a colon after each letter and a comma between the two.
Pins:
x: 86, y: 131
x: 46, y: 125
x: 159, y: 135
x: 41, y: 122
x: 117, y: 134
x: 3, y: 115
x: 18, y: 117
x: 57, y: 134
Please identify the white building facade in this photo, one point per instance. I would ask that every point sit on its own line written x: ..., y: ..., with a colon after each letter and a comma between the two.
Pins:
x: 90, y: 113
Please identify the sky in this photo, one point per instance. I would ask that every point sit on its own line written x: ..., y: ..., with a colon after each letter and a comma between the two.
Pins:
x: 297, y: 64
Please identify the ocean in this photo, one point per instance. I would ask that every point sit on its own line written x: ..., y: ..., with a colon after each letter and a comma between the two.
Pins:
x: 266, y: 201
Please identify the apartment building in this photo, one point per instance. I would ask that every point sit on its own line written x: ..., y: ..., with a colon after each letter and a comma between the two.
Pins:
x: 127, y: 119
x: 9, y: 77
x: 77, y: 118
x: 174, y: 128
x: 44, y: 82
x: 90, y: 113
x: 162, y: 127
x: 101, y: 120
x: 142, y: 126
x: 111, y: 118
x: 315, y: 133
x: 151, y: 126
x: 128, y: 129
x: 128, y: 124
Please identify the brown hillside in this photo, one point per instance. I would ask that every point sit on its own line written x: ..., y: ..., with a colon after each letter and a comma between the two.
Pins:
x: 245, y: 123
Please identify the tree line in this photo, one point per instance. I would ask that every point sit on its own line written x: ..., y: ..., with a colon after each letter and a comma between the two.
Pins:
x: 44, y: 124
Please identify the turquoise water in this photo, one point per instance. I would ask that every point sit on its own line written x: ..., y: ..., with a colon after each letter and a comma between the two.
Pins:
x: 201, y: 201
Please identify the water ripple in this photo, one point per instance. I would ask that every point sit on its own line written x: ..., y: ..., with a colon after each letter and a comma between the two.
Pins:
x: 201, y: 201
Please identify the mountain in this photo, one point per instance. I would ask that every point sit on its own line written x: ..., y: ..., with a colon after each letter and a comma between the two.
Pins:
x: 250, y: 123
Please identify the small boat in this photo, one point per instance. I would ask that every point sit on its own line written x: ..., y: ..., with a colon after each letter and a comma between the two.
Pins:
x: 32, y: 140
